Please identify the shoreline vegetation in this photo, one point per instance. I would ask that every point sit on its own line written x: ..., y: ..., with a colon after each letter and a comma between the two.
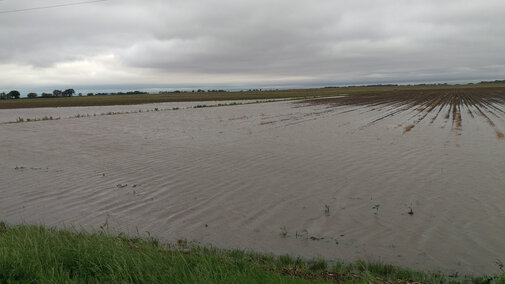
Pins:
x: 235, y: 103
x: 132, y: 98
x: 33, y: 254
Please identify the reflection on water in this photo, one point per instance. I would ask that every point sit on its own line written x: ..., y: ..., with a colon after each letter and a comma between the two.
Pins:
x: 306, y: 179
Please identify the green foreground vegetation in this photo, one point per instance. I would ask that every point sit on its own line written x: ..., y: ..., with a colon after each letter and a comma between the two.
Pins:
x: 131, y: 99
x: 35, y: 254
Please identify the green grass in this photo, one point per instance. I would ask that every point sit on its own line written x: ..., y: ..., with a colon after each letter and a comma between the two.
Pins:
x: 35, y: 254
x: 185, y: 97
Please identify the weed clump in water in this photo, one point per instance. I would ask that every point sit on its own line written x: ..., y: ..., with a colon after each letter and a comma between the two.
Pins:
x: 411, y: 212
x: 499, y: 134
x: 408, y: 128
x: 304, y: 234
x: 376, y: 208
x: 284, y: 232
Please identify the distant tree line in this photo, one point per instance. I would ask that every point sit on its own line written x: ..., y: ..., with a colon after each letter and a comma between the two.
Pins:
x: 10, y: 95
x: 492, y: 82
x: 58, y: 94
x: 194, y: 91
x: 55, y: 94
x: 128, y: 93
x: 61, y: 94
x: 71, y: 92
x: 118, y: 93
x: 421, y: 84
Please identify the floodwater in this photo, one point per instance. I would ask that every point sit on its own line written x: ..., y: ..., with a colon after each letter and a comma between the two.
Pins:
x: 314, y: 180
x: 56, y: 113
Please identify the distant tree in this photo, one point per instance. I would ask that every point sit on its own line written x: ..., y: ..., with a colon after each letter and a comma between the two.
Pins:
x: 80, y: 94
x: 46, y: 95
x: 57, y: 93
x: 32, y: 95
x: 14, y: 94
x: 3, y: 96
x: 68, y: 92
x: 90, y: 94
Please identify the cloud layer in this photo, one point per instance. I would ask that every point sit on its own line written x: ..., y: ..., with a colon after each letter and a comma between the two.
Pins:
x: 230, y: 43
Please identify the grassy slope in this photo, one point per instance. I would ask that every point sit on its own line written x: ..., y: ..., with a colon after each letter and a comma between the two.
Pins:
x: 38, y: 254
x: 180, y: 97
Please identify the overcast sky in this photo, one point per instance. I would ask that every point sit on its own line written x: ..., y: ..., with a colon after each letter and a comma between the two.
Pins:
x: 249, y: 43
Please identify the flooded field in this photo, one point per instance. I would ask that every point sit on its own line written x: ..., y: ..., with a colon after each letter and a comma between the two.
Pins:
x: 487, y: 103
x: 56, y: 113
x: 407, y: 180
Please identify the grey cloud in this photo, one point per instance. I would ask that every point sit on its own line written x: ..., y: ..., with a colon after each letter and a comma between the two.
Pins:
x: 329, y: 41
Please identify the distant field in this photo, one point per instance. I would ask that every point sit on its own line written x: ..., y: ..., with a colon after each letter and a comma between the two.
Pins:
x: 219, y: 96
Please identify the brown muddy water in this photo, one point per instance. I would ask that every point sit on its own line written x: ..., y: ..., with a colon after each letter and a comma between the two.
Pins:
x: 317, y: 179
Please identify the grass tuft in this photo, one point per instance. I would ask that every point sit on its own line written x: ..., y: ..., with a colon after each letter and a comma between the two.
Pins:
x: 35, y: 254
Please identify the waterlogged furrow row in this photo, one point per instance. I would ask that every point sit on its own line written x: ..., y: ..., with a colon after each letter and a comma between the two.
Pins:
x: 483, y: 103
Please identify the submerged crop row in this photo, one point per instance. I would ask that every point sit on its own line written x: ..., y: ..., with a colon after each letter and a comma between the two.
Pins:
x: 418, y: 105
